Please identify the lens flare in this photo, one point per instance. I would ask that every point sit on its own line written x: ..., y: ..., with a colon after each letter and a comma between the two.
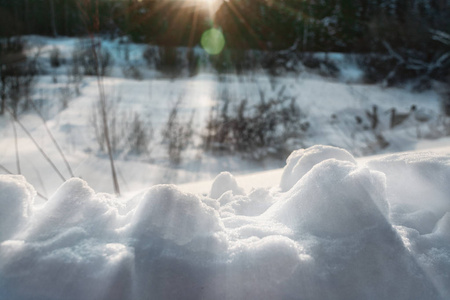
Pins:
x: 213, y: 41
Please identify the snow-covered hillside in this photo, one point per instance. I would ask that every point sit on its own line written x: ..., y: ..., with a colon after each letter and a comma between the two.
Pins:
x: 332, y: 228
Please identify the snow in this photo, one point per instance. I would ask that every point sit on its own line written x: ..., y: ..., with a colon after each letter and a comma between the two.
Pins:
x: 168, y: 214
x: 222, y: 183
x: 301, y: 161
x: 16, y: 201
x: 341, y: 203
x: 332, y: 227
x: 330, y: 106
x: 268, y: 179
x: 329, y: 225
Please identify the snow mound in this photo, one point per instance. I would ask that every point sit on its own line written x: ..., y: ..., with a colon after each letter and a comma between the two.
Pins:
x: 169, y: 214
x: 74, y: 205
x: 301, y: 161
x: 258, y: 201
x: 336, y: 229
x: 334, y: 199
x: 222, y: 183
x: 16, y: 201
x: 419, y: 180
x: 443, y: 227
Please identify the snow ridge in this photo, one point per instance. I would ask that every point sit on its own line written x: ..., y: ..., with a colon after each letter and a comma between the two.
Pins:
x: 331, y: 229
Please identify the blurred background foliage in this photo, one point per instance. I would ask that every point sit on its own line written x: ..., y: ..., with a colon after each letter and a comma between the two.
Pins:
x: 312, y: 25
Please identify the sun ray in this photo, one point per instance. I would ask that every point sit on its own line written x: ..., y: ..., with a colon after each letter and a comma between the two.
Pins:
x: 245, y: 23
x: 194, y: 26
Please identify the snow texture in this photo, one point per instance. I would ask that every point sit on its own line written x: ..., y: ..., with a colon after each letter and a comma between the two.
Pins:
x: 222, y: 183
x: 333, y: 229
x: 301, y: 162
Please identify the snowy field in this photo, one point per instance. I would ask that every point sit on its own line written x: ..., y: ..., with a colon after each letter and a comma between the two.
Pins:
x: 336, y: 110
x: 333, y: 228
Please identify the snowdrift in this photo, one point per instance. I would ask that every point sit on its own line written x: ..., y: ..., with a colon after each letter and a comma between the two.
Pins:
x: 331, y: 229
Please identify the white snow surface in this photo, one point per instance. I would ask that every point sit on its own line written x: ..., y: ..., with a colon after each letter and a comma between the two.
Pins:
x: 333, y: 228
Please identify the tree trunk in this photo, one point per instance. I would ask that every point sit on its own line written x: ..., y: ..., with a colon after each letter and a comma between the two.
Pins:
x: 53, y: 18
x: 26, y: 17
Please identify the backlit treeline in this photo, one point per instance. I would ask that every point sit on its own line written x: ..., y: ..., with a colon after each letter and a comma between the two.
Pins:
x: 311, y: 25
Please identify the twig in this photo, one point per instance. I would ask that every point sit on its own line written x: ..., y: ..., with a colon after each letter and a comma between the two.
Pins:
x: 393, y: 53
x: 5, y: 169
x: 53, y: 139
x: 441, y: 36
x: 16, y: 146
x: 11, y: 173
x: 37, y: 145
x: 84, y: 6
x: 101, y: 90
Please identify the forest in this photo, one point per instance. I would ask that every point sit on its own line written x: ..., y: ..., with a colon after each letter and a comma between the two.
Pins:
x: 325, y: 25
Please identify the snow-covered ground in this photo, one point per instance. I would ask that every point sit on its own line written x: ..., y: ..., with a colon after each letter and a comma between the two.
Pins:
x: 267, y: 179
x: 337, y: 111
x: 333, y: 227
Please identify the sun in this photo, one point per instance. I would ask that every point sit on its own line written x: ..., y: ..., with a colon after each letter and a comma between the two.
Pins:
x: 208, y: 2
x: 210, y: 5
x: 199, y: 1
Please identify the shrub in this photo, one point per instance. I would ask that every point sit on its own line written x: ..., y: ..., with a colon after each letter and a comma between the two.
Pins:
x: 324, y: 66
x: 93, y: 62
x: 75, y: 76
x: 236, y: 61
x: 376, y: 67
x: 193, y: 63
x: 151, y: 56
x: 177, y: 134
x: 256, y: 131
x: 169, y: 62
x: 128, y: 132
x: 17, y: 75
x: 55, y: 57
x: 132, y: 71
x: 446, y: 98
x: 98, y: 126
x: 139, y: 134
x: 65, y: 95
